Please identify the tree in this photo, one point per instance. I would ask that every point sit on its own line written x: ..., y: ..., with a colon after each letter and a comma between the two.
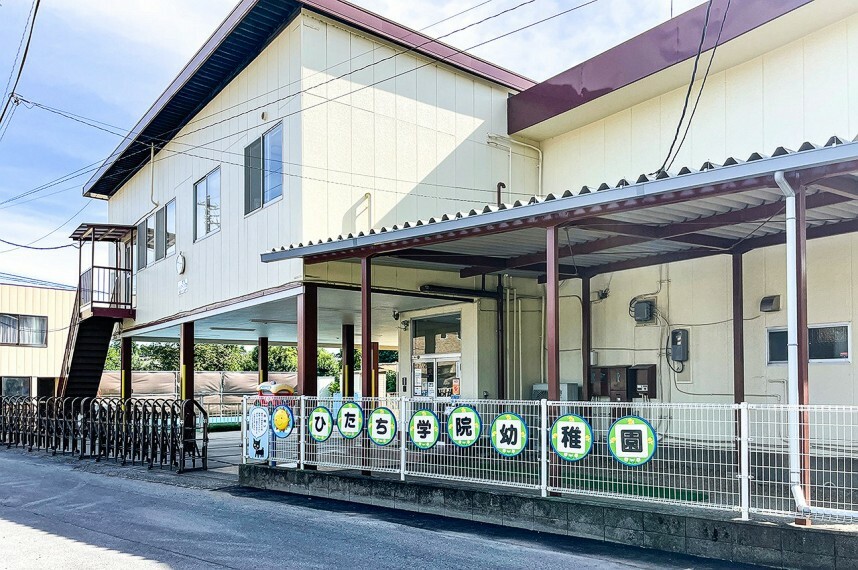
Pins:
x: 388, y: 356
x: 219, y: 357
x: 390, y: 379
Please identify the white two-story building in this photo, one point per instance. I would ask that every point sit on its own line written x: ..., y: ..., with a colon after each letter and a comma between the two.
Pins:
x: 318, y: 174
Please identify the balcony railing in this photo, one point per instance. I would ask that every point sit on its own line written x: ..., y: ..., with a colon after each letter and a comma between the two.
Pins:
x: 105, y: 288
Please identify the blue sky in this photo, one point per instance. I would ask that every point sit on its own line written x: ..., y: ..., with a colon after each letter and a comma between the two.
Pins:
x: 110, y: 60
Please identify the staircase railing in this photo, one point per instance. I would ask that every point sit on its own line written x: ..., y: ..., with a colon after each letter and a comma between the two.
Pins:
x: 106, y: 287
x: 74, y: 326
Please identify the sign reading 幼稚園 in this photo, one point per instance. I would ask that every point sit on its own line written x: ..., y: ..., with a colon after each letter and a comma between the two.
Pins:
x: 632, y: 441
x: 258, y: 420
x: 350, y: 420
x: 424, y: 429
x: 464, y: 426
x: 282, y: 421
x: 320, y: 424
x: 571, y: 437
x: 509, y: 434
x: 382, y: 426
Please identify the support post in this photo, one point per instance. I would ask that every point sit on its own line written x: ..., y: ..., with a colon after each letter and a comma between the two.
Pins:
x: 586, y: 337
x: 552, y: 313
x: 347, y: 387
x: 186, y: 361
x: 262, y: 359
x: 125, y: 347
x: 308, y: 342
x: 375, y: 371
x: 803, y: 344
x: 501, y: 348
x: 366, y: 325
x: 738, y: 330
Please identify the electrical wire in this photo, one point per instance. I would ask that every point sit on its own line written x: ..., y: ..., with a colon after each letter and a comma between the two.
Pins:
x: 6, y: 91
x: 702, y: 86
x: 433, y: 61
x: 53, y: 231
x: 23, y: 60
x: 25, y: 246
x: 690, y: 88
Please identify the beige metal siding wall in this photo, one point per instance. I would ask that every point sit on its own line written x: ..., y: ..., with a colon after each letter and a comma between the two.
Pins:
x: 416, y: 141
x: 226, y: 264
x: 804, y: 91
x: 56, y: 304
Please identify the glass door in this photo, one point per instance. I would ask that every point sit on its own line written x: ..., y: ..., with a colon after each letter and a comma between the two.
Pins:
x: 436, y: 375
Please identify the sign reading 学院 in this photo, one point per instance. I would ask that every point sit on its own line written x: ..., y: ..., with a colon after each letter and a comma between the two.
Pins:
x: 571, y: 437
x: 424, y: 429
x: 509, y: 434
x: 632, y: 440
x: 256, y: 445
x: 464, y: 426
x: 320, y: 424
x: 382, y: 426
x: 350, y: 420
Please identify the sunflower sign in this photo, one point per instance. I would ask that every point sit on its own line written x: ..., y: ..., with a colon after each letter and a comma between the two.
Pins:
x: 282, y: 421
x: 632, y: 440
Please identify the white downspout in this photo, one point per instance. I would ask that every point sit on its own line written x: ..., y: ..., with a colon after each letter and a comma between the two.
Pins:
x: 368, y: 198
x: 542, y: 341
x: 520, y: 354
x: 792, y: 358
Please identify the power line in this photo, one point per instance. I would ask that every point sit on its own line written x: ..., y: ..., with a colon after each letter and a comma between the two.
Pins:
x: 690, y: 87
x: 95, y: 166
x: 25, y: 246
x: 18, y: 52
x: 702, y: 86
x: 53, y: 231
x: 23, y: 60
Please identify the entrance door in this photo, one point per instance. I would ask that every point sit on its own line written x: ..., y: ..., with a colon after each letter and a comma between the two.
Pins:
x: 436, y: 375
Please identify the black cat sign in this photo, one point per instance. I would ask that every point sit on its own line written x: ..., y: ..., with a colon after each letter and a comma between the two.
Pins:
x: 257, y: 433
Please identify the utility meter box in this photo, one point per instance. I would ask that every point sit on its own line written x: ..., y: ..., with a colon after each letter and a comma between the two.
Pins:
x: 644, y: 311
x: 679, y: 345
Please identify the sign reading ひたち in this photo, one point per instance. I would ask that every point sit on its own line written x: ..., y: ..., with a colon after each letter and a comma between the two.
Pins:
x: 632, y: 440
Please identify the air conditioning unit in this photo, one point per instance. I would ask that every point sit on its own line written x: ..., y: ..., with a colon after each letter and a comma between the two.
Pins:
x: 569, y: 392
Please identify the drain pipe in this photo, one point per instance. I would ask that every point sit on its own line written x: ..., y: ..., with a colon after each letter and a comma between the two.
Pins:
x: 792, y: 359
x: 538, y: 150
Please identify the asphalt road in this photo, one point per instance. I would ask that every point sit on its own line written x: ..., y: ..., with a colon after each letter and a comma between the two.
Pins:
x: 55, y: 513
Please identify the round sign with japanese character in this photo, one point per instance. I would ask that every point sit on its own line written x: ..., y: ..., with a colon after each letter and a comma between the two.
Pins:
x: 632, y: 440
x: 464, y: 426
x: 320, y: 424
x: 350, y: 420
x: 571, y: 437
x: 424, y: 429
x: 509, y: 434
x: 382, y: 426
x: 282, y: 421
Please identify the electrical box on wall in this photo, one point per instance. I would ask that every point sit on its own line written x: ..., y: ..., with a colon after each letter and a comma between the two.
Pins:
x: 679, y: 345
x: 644, y: 311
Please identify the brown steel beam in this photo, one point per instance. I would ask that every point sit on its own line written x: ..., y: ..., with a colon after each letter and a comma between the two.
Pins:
x: 501, y: 344
x: 586, y: 337
x: 125, y: 348
x: 552, y: 314
x: 375, y: 371
x: 366, y: 325
x: 448, y: 258
x: 803, y: 345
x: 308, y: 340
x: 347, y: 352
x: 262, y: 359
x: 845, y: 186
x: 738, y: 330
x: 186, y: 361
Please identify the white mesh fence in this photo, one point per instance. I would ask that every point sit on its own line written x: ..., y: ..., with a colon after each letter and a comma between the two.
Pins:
x: 763, y: 459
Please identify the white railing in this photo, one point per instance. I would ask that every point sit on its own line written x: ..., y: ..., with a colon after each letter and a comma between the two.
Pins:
x: 730, y: 457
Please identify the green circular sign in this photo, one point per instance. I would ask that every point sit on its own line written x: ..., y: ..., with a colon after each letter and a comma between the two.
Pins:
x: 464, y: 426
x: 350, y: 420
x: 382, y: 426
x: 320, y: 424
x: 632, y: 440
x: 571, y: 437
x: 424, y: 429
x: 509, y: 434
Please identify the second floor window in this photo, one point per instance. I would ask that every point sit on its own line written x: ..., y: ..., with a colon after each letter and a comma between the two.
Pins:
x: 23, y: 330
x: 156, y: 236
x: 207, y: 205
x: 263, y: 170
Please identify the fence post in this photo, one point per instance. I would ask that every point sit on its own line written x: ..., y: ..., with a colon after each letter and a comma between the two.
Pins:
x: 744, y: 461
x: 301, y: 432
x: 243, y: 428
x: 543, y: 447
x: 402, y: 436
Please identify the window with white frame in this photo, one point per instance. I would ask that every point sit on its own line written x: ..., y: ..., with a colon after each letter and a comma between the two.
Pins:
x: 23, y: 330
x: 207, y: 205
x: 263, y: 170
x: 156, y: 236
x: 826, y: 343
